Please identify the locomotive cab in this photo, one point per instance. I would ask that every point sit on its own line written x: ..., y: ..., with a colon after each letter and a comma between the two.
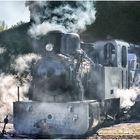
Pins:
x: 109, y: 74
x: 112, y: 73
x: 112, y: 53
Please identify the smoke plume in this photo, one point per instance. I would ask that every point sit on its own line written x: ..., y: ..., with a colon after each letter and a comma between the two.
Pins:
x: 69, y: 16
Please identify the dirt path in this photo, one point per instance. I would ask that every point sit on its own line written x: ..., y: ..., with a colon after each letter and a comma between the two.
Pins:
x: 120, y: 131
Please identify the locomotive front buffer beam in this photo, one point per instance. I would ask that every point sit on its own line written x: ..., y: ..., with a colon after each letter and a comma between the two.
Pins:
x: 72, y: 118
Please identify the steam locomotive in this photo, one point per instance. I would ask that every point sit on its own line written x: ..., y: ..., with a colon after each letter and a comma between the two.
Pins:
x: 74, y: 86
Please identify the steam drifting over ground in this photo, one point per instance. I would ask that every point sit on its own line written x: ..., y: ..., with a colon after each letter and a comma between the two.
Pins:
x: 9, y: 83
x: 69, y: 16
x: 128, y: 96
x: 8, y: 94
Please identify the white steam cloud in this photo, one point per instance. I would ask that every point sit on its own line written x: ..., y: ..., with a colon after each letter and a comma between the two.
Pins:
x: 9, y: 83
x: 8, y: 94
x: 2, y: 50
x: 128, y: 97
x: 68, y: 16
x: 23, y: 62
x: 44, y: 28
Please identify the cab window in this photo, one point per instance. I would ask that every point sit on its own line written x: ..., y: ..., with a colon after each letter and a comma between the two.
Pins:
x: 109, y: 54
x: 124, y: 56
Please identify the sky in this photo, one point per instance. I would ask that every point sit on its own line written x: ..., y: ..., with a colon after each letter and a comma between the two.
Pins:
x: 13, y: 11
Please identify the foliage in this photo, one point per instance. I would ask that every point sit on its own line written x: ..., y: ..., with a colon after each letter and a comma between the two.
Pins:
x: 3, y: 26
x: 120, y: 19
x: 15, y: 41
x: 20, y: 23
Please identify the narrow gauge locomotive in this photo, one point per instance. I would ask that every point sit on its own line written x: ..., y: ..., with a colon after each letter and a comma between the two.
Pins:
x: 74, y: 86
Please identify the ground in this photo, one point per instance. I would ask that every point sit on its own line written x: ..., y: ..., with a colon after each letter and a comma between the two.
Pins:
x: 119, y: 131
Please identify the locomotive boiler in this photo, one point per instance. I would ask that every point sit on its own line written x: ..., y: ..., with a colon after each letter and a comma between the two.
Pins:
x: 74, y: 86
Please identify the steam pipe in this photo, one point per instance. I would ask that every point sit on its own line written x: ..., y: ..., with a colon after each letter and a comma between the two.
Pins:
x: 18, y: 92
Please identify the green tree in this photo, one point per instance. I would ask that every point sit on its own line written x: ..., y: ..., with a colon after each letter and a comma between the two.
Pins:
x: 119, y: 19
x: 20, y: 23
x: 3, y: 26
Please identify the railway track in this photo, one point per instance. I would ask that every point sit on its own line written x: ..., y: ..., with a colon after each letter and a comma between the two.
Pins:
x: 130, y: 130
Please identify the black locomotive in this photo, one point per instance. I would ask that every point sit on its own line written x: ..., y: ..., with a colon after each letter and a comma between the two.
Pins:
x: 74, y: 86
